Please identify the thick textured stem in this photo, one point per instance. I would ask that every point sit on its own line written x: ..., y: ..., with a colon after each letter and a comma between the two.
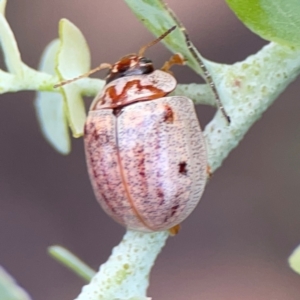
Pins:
x: 247, y: 89
x: 126, y: 273
x: 199, y: 93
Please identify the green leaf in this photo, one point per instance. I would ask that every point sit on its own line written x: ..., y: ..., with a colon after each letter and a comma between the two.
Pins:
x: 294, y: 260
x: 273, y: 20
x: 158, y: 18
x: 9, y: 289
x: 51, y: 107
x: 2, y: 6
x: 9, y: 45
x: 73, y: 60
x: 72, y: 262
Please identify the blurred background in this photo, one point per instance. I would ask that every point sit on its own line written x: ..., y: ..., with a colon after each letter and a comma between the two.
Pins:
x: 236, y: 243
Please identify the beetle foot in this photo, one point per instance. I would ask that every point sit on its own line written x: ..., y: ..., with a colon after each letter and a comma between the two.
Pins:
x: 174, y: 230
x: 209, y: 172
x: 176, y: 59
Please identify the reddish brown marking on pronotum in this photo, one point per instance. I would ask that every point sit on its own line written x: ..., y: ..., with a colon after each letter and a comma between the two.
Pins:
x: 125, y: 97
x: 126, y: 90
x: 145, y: 151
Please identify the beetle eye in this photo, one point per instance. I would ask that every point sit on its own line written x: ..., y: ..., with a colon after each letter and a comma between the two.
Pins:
x: 145, y: 60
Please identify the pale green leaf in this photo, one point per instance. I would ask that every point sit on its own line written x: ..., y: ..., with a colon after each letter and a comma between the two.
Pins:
x: 158, y: 18
x: 9, y: 46
x: 273, y: 20
x: 73, y: 59
x: 9, y: 289
x: 2, y: 6
x: 72, y: 262
x: 294, y: 260
x: 50, y: 106
x: 75, y: 109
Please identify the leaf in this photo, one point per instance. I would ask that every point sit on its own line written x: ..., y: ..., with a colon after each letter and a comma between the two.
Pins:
x: 294, y: 260
x: 51, y: 107
x: 273, y: 20
x: 9, y: 289
x: 9, y: 45
x: 73, y: 59
x: 72, y: 262
x: 2, y: 6
x: 158, y: 18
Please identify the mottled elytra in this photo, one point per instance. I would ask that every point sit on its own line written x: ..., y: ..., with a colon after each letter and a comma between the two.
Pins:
x: 145, y: 151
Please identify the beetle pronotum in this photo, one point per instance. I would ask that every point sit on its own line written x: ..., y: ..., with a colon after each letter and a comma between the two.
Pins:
x: 145, y: 151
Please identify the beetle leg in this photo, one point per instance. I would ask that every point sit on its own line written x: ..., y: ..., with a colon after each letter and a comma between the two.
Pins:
x: 209, y: 172
x: 174, y: 230
x: 176, y: 59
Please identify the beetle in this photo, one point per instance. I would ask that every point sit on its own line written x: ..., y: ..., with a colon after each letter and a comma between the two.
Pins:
x: 145, y: 151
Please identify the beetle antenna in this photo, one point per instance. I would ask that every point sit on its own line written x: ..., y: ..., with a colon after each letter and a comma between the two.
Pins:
x: 202, y: 66
x: 101, y: 67
x: 144, y: 48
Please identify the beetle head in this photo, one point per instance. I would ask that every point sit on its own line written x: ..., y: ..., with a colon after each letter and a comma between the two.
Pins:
x: 135, y: 64
x: 128, y: 65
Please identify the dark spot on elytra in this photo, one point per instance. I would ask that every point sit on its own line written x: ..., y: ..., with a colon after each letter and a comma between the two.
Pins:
x: 89, y: 125
x: 101, y: 137
x: 168, y: 115
x: 182, y: 168
x: 95, y: 173
x: 160, y: 195
x: 142, y: 173
x: 174, y: 209
x: 138, y: 151
x: 141, y: 165
x: 95, y: 135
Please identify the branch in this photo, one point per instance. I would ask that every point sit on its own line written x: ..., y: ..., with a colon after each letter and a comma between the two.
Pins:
x: 125, y: 275
x: 247, y: 89
x: 199, y: 93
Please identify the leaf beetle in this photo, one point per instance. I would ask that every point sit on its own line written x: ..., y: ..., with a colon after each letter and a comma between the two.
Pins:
x: 145, y: 151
